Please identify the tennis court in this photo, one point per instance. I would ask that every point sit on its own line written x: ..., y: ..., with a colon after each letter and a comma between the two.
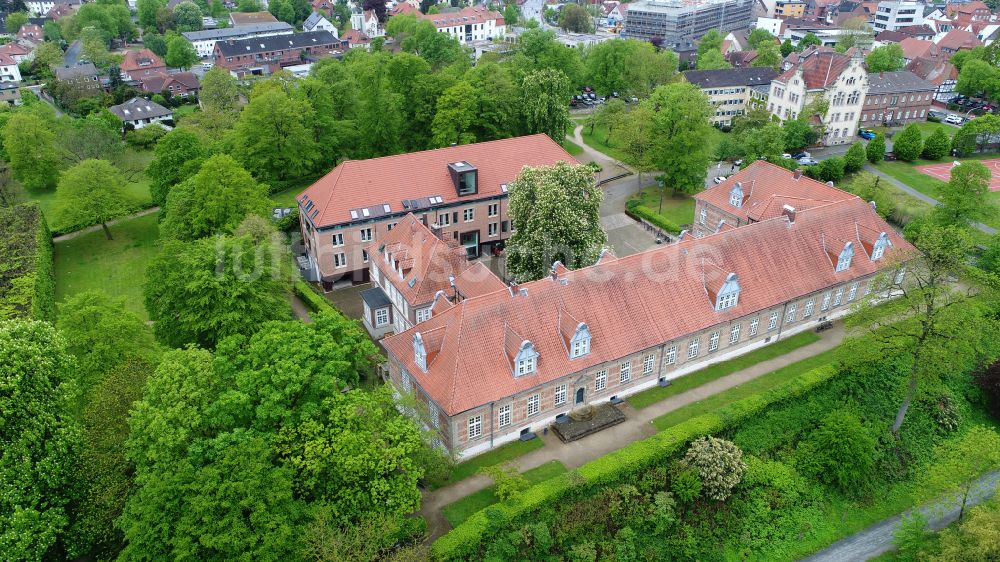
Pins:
x: 943, y: 171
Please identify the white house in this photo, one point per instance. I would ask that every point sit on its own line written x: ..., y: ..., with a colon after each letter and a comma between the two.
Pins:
x: 476, y: 23
x: 9, y: 72
x: 204, y: 41
x: 42, y: 7
x: 892, y: 15
x: 316, y: 22
x: 367, y: 23
x: 139, y: 112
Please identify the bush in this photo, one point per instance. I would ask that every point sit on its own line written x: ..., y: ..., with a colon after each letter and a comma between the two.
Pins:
x: 146, y: 137
x: 289, y: 222
x: 937, y: 145
x: 27, y: 281
x: 313, y: 301
x: 854, y: 160
x: 839, y: 452
x: 876, y: 149
x: 719, y: 464
x: 632, y: 207
x: 508, y: 482
x: 686, y: 483
x: 909, y: 144
x: 832, y: 169
x: 944, y: 412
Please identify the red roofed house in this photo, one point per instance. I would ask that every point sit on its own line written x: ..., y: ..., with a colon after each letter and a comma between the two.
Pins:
x: 30, y: 34
x: 968, y: 12
x: 918, y: 48
x: 939, y: 72
x: 957, y: 39
x: 142, y: 63
x: 821, y: 72
x: 356, y: 39
x: 475, y: 23
x: 494, y: 366
x: 462, y: 189
x: 181, y: 84
x: 9, y: 70
x: 416, y: 272
x: 16, y: 51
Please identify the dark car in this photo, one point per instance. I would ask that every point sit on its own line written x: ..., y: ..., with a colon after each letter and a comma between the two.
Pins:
x: 799, y: 155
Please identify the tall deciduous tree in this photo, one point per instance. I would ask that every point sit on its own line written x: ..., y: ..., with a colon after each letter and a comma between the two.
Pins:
x: 809, y: 40
x: 767, y: 142
x: 146, y: 13
x: 379, y: 119
x: 965, y: 198
x: 187, y: 16
x: 219, y: 91
x: 758, y: 37
x: 712, y: 60
x: 15, y: 21
x: 711, y: 41
x: 909, y: 144
x: 681, y: 135
x: 575, y: 19
x: 978, y: 78
x: 39, y: 439
x: 274, y: 136
x: 875, y: 150
x: 855, y: 157
x: 557, y: 213
x: 92, y: 192
x: 768, y: 54
x: 177, y: 156
x: 544, y: 103
x: 456, y: 112
x: 798, y: 134
x: 959, y: 463
x: 180, y: 53
x: 887, y: 58
x: 937, y: 145
x: 29, y: 141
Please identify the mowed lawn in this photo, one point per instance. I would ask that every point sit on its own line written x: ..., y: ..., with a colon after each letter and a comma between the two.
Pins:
x: 501, y: 454
x: 117, y: 267
x: 677, y: 209
x: 926, y: 128
x: 461, y: 510
x: 908, y: 173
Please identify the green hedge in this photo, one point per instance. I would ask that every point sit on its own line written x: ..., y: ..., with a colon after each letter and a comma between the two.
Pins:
x: 313, y: 300
x: 43, y: 306
x: 27, y: 283
x: 632, y: 207
x: 466, y: 539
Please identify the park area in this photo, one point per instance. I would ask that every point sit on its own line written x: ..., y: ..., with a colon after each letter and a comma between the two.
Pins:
x: 942, y: 171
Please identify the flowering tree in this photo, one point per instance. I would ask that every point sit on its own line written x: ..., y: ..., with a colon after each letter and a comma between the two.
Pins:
x: 719, y: 464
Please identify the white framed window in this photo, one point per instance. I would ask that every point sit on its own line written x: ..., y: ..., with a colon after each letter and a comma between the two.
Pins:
x: 728, y: 301
x: 504, y: 416
x: 525, y: 366
x: 853, y: 292
x: 423, y: 314
x: 340, y: 260
x: 560, y: 395
x: 826, y: 301
x: 468, y: 215
x: 432, y: 412
x: 809, y: 308
x: 702, y: 217
x: 868, y: 287
x: 364, y: 256
x: 381, y: 317
x: 626, y: 372
x: 790, y: 315
x: 444, y: 219
x: 533, y: 402
x: 492, y: 229
x: 713, y: 341
x: 734, y: 333
x: 693, y: 348
x: 753, y: 326
x: 581, y: 347
x: 475, y: 426
x: 838, y: 296
x: 772, y: 322
x: 670, y: 355
x: 647, y: 364
x: 337, y: 239
x: 406, y: 380
x: 493, y: 209
x: 366, y: 235
x: 601, y: 380
x: 390, y: 226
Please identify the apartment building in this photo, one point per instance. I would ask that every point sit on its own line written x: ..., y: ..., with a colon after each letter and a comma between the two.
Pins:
x: 493, y: 367
x: 732, y: 91
x: 261, y: 56
x: 760, y: 192
x: 412, y: 269
x: 896, y: 98
x: 204, y: 41
x: 892, y: 15
x: 790, y: 8
x: 821, y: 72
x: 460, y: 189
x: 474, y: 23
x: 680, y: 23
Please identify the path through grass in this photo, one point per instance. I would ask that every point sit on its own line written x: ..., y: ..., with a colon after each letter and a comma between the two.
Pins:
x: 501, y: 454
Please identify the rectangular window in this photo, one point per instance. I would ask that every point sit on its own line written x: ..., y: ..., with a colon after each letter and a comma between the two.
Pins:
x: 504, y: 226
x: 853, y: 292
x: 491, y: 229
x: 734, y: 334
x: 647, y: 364
x: 560, y: 395
x: 525, y: 366
x: 581, y: 347
x: 340, y: 259
x: 839, y: 296
x: 444, y: 219
x: 338, y: 239
x: 381, y: 317
x: 809, y: 308
x: 693, y: 348
x: 826, y: 301
x: 900, y: 276
x: 790, y: 315
x: 423, y: 314
x: 626, y: 372
x: 772, y: 323
x: 601, y: 380
x: 670, y: 355
x: 533, y: 402
x: 390, y: 226
x: 475, y: 427
x: 366, y: 235
x: 753, y: 326
x: 504, y: 416
x: 493, y: 209
x: 364, y: 256
x: 868, y: 287
x: 468, y: 215
x: 713, y: 341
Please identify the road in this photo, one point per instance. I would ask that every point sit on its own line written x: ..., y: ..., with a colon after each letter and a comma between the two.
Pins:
x: 533, y: 10
x: 877, y: 539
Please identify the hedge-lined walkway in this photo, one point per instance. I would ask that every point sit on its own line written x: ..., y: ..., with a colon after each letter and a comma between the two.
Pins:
x: 637, y: 426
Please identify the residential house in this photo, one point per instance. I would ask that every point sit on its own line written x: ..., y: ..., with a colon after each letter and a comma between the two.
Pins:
x: 461, y: 189
x: 61, y: 10
x: 494, y: 367
x: 732, y: 91
x: 918, y: 31
x: 896, y: 98
x: 30, y: 35
x: 367, y: 23
x: 968, y: 12
x: 402, y: 9
x: 83, y: 74
x: 9, y: 71
x: 42, y: 7
x: 822, y: 73
x: 939, y: 72
x: 758, y: 193
x: 789, y: 8
x: 204, y: 40
x: 355, y: 39
x: 178, y: 84
x: 475, y: 23
x: 237, y: 19
x: 914, y: 48
x: 261, y: 56
x: 10, y: 94
x: 740, y: 59
x: 324, y: 7
x: 893, y: 14
x: 617, y: 13
x: 16, y: 51
x: 138, y: 113
x: 736, y: 41
x: 958, y: 39
x: 316, y: 22
x: 142, y: 63
x: 412, y: 268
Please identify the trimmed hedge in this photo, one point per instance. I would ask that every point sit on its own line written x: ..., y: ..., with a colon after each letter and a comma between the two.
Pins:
x: 27, y: 281
x: 313, y: 300
x: 466, y: 539
x: 632, y: 207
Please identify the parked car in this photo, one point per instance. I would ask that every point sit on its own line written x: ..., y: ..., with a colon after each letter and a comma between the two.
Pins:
x: 801, y: 155
x: 719, y: 180
x: 738, y: 162
x: 807, y: 161
x: 866, y: 134
x: 953, y: 119
x: 633, y: 99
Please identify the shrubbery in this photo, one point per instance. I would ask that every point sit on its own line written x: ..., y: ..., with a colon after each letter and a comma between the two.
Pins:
x: 641, y: 211
x: 27, y: 282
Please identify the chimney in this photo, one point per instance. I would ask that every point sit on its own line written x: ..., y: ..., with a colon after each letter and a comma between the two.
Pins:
x: 436, y: 231
x: 797, y: 174
x: 789, y: 212
x: 829, y: 183
x: 874, y: 206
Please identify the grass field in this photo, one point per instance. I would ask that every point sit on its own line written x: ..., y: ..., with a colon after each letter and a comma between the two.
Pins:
x: 572, y: 147
x: 907, y: 173
x: 597, y: 142
x: 678, y: 210
x: 760, y: 384
x: 926, y: 128
x: 183, y: 111
x: 117, y: 267
x: 713, y: 372
x: 461, y: 510
x: 501, y: 454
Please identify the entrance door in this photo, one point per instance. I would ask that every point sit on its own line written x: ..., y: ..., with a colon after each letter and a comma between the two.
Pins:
x: 579, y: 396
x: 470, y: 240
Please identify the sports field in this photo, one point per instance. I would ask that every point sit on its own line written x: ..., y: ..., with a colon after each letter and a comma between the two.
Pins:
x: 943, y: 171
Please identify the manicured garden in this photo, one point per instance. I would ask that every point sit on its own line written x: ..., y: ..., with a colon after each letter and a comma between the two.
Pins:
x: 461, y: 510
x: 675, y: 212
x: 719, y: 370
x: 499, y: 455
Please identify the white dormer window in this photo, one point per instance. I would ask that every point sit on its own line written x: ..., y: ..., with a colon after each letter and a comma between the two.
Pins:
x: 844, y: 261
x: 736, y: 196
x: 729, y: 295
x: 880, y: 245
x: 419, y: 352
x: 527, y: 359
x: 580, y: 344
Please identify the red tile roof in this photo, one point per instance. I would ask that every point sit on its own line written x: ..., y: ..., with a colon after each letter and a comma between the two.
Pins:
x: 915, y: 48
x: 934, y: 71
x: 390, y: 180
x: 767, y: 188
x: 355, y: 37
x: 14, y: 49
x: 466, y: 16
x: 958, y: 39
x: 821, y: 66
x: 142, y: 60
x: 629, y: 304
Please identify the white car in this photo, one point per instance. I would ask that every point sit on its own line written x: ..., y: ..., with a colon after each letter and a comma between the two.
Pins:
x: 807, y: 161
x: 786, y: 155
x: 719, y: 180
x: 953, y: 119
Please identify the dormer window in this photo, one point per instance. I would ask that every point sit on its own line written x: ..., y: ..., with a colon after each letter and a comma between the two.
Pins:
x: 736, y: 196
x: 526, y: 360
x: 729, y: 295
x: 419, y: 352
x: 465, y: 176
x: 878, y: 249
x: 580, y: 343
x: 844, y: 261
